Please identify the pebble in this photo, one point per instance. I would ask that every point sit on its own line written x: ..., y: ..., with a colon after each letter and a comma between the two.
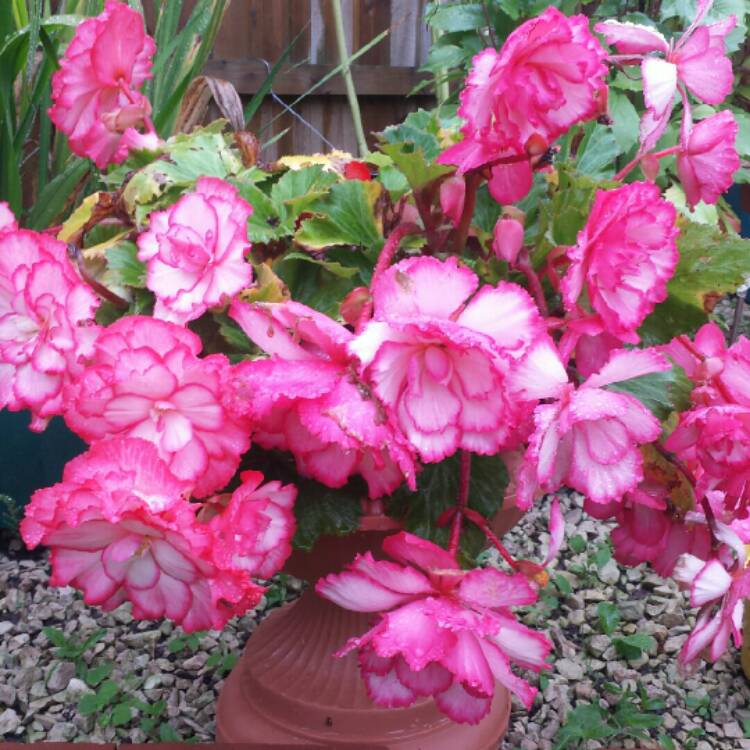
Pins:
x: 9, y: 722
x: 571, y: 670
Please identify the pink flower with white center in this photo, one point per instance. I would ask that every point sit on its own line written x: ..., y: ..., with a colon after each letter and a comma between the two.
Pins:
x: 145, y: 379
x: 448, y: 633
x: 46, y: 322
x: 719, y: 587
x: 708, y: 158
x: 307, y: 399
x: 95, y: 96
x: 714, y: 442
x: 624, y: 257
x: 254, y: 531
x: 547, y: 77
x: 195, y: 251
x: 121, y: 530
x: 697, y: 61
x: 438, y: 351
x: 588, y: 437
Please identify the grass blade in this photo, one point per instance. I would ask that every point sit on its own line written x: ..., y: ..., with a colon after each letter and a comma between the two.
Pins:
x: 51, y: 202
x: 254, y: 104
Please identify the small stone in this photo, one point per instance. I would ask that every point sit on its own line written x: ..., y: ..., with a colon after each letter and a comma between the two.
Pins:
x: 598, y: 644
x: 610, y: 572
x: 9, y: 722
x: 195, y: 662
x: 673, y: 644
x: 152, y: 681
x: 62, y: 732
x: 569, y: 669
x: 76, y: 689
x: 733, y: 729
x: 60, y: 676
x: 7, y: 695
x: 6, y: 627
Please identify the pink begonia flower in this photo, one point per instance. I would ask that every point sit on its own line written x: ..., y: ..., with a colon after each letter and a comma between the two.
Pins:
x: 623, y: 258
x: 588, y: 437
x: 719, y: 587
x: 449, y: 633
x: 438, y: 351
x: 195, y: 251
x: 697, y: 61
x: 648, y: 532
x: 307, y: 399
x: 708, y: 158
x: 145, y: 379
x: 714, y: 442
x: 254, y: 531
x: 7, y: 219
x: 547, y: 77
x: 95, y: 96
x: 46, y: 321
x: 121, y: 530
x: 507, y: 239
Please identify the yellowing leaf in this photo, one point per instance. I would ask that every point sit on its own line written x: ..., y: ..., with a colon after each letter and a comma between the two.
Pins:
x: 78, y: 219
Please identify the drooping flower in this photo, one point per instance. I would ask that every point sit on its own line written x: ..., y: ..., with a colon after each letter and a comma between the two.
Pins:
x: 437, y: 354
x: 588, y: 437
x: 145, y: 379
x: 708, y: 158
x: 447, y: 633
x: 195, y: 251
x: 623, y: 258
x: 714, y: 442
x: 719, y: 587
x: 647, y: 531
x: 95, y: 93
x: 697, y: 61
x: 307, y: 399
x: 121, y: 530
x: 516, y: 102
x: 254, y: 531
x: 46, y: 321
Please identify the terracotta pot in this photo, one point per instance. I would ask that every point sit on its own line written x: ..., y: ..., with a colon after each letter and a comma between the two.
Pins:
x: 288, y: 689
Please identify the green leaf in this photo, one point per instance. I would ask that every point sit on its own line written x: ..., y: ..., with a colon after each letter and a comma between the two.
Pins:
x: 121, y: 714
x: 168, y: 734
x: 96, y: 674
x: 88, y: 704
x: 337, y: 269
x: 609, y: 617
x: 122, y: 258
x: 176, y: 644
x: 264, y: 223
x: 660, y: 392
x: 450, y: 18
x: 625, y: 121
x: 437, y: 490
x: 712, y: 264
x: 563, y: 584
x: 632, y: 646
x: 51, y: 202
x: 55, y: 637
x: 321, y: 510
x: 347, y: 218
x: 597, y: 153
x: 420, y: 128
x: 92, y: 639
x: 411, y: 160
x: 577, y: 543
x: 107, y: 692
x: 602, y: 555
x: 298, y: 190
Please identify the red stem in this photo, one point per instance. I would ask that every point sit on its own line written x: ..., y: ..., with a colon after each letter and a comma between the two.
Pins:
x: 464, y: 479
x: 384, y: 260
x: 523, y: 264
x: 481, y: 522
x: 629, y: 167
x: 472, y: 182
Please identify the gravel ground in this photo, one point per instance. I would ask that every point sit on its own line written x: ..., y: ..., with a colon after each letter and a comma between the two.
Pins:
x: 39, y: 691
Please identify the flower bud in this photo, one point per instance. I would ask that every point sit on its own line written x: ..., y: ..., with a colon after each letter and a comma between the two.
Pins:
x: 650, y: 167
x: 507, y: 239
x: 353, y: 303
x: 452, y: 193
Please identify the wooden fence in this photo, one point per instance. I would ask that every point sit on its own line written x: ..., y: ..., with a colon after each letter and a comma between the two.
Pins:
x: 255, y: 31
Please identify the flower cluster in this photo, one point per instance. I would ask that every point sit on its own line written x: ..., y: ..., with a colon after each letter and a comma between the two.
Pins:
x: 361, y: 368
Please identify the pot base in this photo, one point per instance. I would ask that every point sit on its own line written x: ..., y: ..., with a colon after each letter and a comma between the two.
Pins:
x: 289, y: 690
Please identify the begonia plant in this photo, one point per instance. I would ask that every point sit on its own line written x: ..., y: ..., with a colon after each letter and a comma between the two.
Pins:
x: 481, y: 312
